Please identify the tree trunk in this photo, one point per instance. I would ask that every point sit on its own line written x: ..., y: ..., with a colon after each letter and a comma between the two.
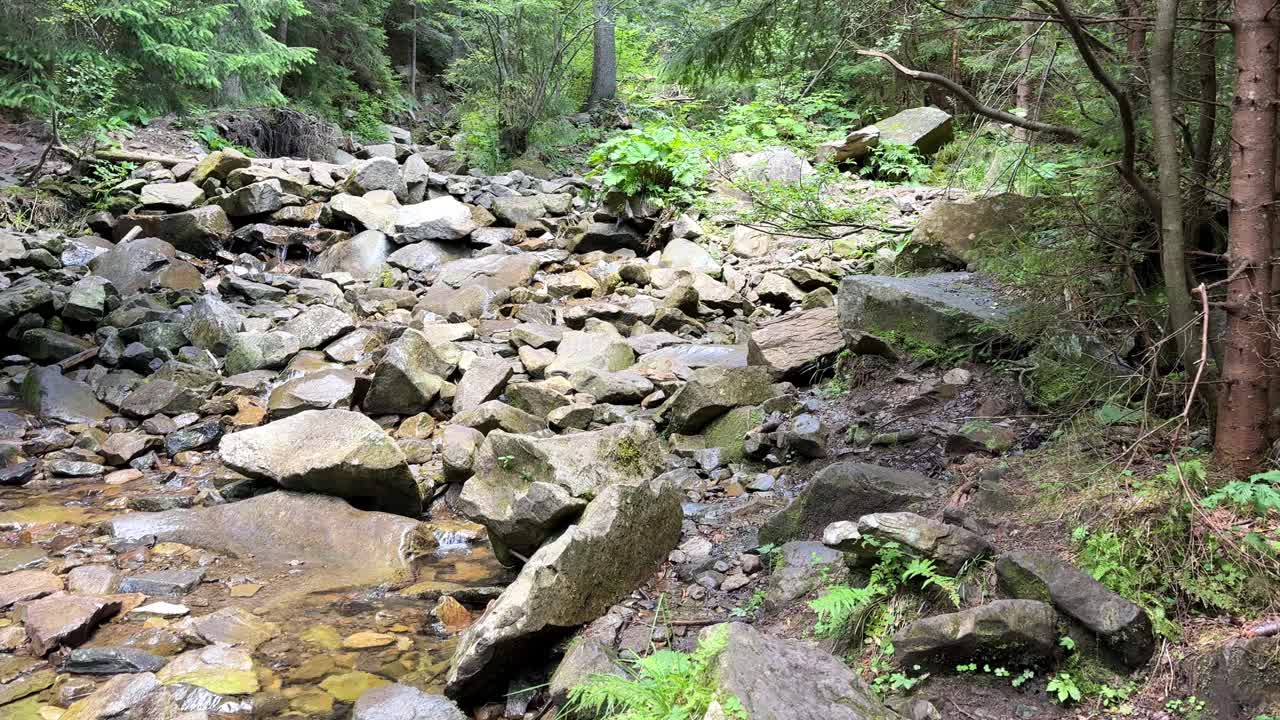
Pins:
x: 513, y: 141
x: 604, y: 59
x: 1169, y: 164
x: 1024, y: 90
x: 1243, y: 411
x: 413, y: 54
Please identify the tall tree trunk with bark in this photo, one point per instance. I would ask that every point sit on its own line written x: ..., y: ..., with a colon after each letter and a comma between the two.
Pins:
x: 604, y: 60
x: 413, y: 54
x: 1243, y: 407
x: 1024, y: 91
x: 1169, y: 163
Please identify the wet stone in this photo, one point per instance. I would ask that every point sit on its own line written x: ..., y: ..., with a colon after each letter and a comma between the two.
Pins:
x: 162, y: 582
x: 111, y: 661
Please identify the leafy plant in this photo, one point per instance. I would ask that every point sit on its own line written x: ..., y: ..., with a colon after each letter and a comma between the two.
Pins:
x: 665, y: 684
x: 1064, y: 686
x: 897, y: 162
x: 1260, y: 494
x: 841, y: 606
x: 660, y: 162
x: 752, y: 605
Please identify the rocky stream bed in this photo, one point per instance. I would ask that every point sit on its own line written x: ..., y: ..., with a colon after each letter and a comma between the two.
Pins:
x: 374, y: 439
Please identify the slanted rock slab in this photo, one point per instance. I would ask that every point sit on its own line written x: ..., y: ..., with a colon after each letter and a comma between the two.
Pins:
x: 1122, y: 627
x: 951, y: 547
x: 622, y: 536
x: 525, y: 489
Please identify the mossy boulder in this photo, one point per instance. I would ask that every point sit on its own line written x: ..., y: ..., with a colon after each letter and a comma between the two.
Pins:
x: 941, y: 310
x: 525, y: 489
x: 729, y: 431
x: 1021, y: 631
x: 847, y: 491
x: 713, y: 391
x: 1122, y: 629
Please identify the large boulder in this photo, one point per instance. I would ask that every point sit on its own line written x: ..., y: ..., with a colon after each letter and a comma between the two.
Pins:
x: 713, y: 391
x: 443, y: 218
x: 949, y: 546
x: 468, y: 288
x: 172, y: 196
x: 202, y: 231
x: 682, y: 254
x: 1239, y: 680
x: 598, y: 350
x: 778, y: 679
x: 1122, y: 629
x: 847, y: 491
x: 257, y: 198
x: 369, y: 213
x: 47, y: 394
x: 377, y: 173
x: 347, y: 455
x: 424, y: 256
x: 797, y: 345
x: 938, y: 310
x: 363, y: 256
x: 26, y: 295
x: 280, y: 528
x: 410, y: 374
x: 775, y: 164
x: 949, y: 231
x: 317, y: 325
x: 621, y: 538
x: 525, y: 489
x: 926, y: 129
x: 1021, y: 631
x: 212, y: 324
x: 259, y: 351
x: 144, y: 264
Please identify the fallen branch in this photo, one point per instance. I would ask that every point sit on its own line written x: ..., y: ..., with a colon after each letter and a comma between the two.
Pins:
x: 974, y: 103
x: 67, y: 363
x: 139, y: 156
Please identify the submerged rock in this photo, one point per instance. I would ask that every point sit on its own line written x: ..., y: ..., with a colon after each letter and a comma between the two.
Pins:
x: 347, y: 455
x: 279, y: 527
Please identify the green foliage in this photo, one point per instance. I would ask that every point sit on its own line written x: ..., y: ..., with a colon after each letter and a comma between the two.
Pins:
x: 1189, y: 708
x: 843, y: 607
x: 660, y: 162
x: 666, y: 685
x: 87, y: 62
x: 896, y: 162
x: 1258, y: 495
x: 1064, y: 689
x: 1170, y: 560
x: 754, y: 603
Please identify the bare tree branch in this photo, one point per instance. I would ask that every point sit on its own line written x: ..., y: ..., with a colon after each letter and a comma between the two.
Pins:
x: 974, y: 103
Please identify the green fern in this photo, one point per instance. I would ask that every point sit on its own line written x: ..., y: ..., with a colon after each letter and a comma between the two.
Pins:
x: 666, y: 685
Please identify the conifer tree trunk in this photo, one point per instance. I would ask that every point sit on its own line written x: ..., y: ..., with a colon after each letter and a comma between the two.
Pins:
x: 604, y: 60
x: 1169, y: 162
x: 1243, y: 408
x: 413, y: 54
